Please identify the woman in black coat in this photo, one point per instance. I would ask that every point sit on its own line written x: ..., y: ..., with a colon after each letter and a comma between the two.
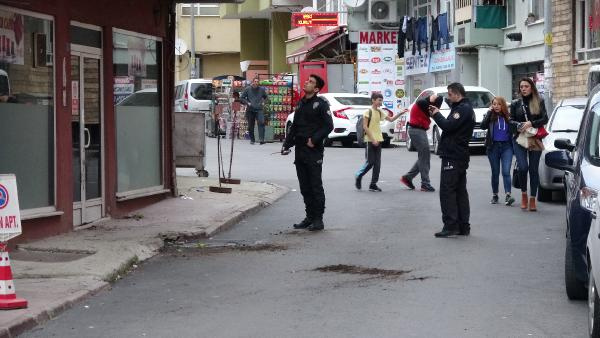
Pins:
x: 528, y: 111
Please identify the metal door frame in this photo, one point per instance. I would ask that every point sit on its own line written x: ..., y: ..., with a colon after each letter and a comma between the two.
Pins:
x: 92, y: 53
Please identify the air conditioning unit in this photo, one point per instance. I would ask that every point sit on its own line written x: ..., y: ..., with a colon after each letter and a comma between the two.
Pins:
x: 383, y: 11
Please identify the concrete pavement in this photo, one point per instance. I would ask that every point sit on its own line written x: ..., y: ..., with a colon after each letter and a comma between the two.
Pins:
x: 54, y: 273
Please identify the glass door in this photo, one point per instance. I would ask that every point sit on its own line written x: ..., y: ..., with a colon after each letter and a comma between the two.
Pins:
x: 86, y: 126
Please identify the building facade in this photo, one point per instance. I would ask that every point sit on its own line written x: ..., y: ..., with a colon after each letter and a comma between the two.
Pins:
x: 86, y: 108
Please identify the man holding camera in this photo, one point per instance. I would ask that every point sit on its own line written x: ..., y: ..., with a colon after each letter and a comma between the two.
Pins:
x: 312, y: 123
x: 454, y: 151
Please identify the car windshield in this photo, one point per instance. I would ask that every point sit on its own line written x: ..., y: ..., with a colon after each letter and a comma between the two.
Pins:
x: 478, y: 99
x: 567, y: 119
x: 201, y: 91
x: 353, y: 100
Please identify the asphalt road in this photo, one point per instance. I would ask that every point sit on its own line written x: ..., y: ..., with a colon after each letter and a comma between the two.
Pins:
x: 377, y: 270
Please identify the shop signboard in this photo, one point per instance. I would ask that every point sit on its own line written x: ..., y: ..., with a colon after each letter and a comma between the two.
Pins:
x: 314, y: 19
x: 12, y: 44
x: 10, y: 216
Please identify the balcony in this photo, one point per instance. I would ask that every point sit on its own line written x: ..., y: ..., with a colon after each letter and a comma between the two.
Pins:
x: 467, y: 35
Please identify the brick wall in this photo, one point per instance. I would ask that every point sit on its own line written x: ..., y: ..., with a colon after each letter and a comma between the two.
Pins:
x: 569, y: 80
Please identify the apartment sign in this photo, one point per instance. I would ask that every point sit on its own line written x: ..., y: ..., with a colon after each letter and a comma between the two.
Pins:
x: 10, y: 216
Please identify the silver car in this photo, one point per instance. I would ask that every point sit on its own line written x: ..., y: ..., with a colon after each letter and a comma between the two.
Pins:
x: 564, y: 123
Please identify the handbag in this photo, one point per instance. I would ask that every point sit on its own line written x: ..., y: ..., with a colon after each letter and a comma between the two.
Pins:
x: 541, y: 133
x: 516, y: 178
x: 538, y: 133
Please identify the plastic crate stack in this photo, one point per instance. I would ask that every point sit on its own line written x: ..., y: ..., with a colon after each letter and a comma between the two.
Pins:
x: 279, y: 106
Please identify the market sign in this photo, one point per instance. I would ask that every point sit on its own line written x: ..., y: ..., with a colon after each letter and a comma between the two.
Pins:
x: 314, y: 19
x: 10, y: 217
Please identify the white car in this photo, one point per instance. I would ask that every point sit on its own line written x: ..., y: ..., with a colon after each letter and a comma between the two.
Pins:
x: 345, y: 110
x: 593, y: 262
x: 563, y: 123
x: 193, y: 95
x: 480, y: 98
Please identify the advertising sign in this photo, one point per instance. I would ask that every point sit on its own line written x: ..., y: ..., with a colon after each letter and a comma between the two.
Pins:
x: 136, y: 65
x: 428, y: 62
x: 12, y: 44
x: 123, y: 87
x: 442, y: 59
x: 314, y: 19
x: 10, y: 216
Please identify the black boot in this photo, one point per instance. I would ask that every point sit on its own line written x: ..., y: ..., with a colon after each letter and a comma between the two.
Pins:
x: 305, y: 223
x: 446, y: 233
x: 317, y: 225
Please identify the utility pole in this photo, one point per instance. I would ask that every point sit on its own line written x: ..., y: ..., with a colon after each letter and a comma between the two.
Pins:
x: 548, y: 76
x: 193, y: 74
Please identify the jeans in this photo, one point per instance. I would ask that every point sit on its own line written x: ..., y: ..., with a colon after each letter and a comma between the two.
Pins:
x: 500, y: 152
x: 258, y: 116
x: 532, y: 167
x: 373, y: 157
x: 418, y: 137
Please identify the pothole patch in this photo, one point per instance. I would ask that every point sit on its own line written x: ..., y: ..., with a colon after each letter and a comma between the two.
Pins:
x: 361, y: 270
x: 209, y: 247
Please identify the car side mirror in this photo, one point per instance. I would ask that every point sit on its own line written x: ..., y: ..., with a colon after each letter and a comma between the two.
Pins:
x: 563, y: 143
x: 559, y: 159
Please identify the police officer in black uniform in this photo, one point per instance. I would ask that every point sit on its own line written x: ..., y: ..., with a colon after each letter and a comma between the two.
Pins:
x: 454, y: 151
x: 312, y: 123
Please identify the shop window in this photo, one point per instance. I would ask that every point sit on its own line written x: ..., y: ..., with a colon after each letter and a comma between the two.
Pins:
x: 137, y: 69
x: 27, y: 106
x: 587, y: 30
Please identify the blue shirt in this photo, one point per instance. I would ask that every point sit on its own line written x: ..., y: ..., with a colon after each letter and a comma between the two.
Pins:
x: 501, y: 132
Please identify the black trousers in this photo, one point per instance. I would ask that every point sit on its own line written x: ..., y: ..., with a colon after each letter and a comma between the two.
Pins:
x: 309, y: 165
x: 454, y: 198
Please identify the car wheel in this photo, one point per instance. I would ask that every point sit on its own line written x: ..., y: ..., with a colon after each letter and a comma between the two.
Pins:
x: 593, y: 307
x: 544, y: 195
x: 436, y: 141
x: 347, y: 143
x: 386, y: 142
x: 409, y: 144
x: 576, y: 289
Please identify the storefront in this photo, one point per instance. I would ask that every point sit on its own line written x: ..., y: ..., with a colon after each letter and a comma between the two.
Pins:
x: 84, y: 111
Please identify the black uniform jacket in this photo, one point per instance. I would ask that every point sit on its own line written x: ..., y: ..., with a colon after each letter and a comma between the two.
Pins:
x: 457, y: 131
x: 312, y: 120
x: 520, y: 107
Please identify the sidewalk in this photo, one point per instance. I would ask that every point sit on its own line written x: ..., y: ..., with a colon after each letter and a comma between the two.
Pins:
x: 55, y: 273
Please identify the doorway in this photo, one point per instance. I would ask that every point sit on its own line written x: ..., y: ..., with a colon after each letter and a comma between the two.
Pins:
x: 87, y: 135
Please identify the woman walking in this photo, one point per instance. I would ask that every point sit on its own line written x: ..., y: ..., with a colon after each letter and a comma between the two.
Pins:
x: 499, y: 146
x: 526, y: 112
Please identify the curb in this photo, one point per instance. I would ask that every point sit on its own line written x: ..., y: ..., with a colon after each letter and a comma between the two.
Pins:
x: 28, y: 322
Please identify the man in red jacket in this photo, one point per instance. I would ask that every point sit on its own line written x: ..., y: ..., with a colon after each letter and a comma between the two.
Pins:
x: 417, y: 131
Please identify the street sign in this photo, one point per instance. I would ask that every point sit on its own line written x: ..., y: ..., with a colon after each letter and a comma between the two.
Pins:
x: 314, y: 19
x: 10, y: 217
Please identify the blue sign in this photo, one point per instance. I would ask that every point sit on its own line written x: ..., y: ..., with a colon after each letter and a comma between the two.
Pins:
x: 3, y: 196
x: 388, y: 93
x: 389, y: 104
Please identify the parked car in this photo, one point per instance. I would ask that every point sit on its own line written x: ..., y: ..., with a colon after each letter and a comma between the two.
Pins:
x: 144, y: 98
x: 581, y: 163
x: 564, y: 123
x: 480, y: 98
x: 593, y: 257
x: 193, y: 95
x: 345, y: 109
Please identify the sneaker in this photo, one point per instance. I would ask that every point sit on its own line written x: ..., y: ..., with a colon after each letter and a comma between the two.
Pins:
x: 251, y: 142
x: 509, y: 200
x: 358, y: 182
x: 407, y: 182
x: 374, y: 187
x: 494, y: 199
x: 427, y: 187
x: 262, y: 142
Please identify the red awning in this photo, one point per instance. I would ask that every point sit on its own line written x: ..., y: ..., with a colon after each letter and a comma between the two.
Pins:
x: 300, y: 54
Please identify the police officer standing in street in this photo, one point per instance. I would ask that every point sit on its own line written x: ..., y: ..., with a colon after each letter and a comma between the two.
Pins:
x: 312, y: 123
x: 454, y: 151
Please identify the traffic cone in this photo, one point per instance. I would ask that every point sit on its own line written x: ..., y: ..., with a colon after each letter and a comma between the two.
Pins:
x: 8, y: 297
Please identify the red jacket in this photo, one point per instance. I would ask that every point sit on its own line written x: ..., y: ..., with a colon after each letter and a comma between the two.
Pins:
x: 419, y: 118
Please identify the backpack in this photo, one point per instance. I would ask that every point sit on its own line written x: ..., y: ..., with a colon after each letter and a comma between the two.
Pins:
x: 360, y: 130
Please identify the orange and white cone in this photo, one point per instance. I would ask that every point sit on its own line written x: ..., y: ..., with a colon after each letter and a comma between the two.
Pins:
x: 8, y: 297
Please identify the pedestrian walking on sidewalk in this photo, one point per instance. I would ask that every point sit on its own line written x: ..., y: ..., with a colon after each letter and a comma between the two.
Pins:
x: 373, y: 139
x: 254, y: 97
x: 526, y: 112
x: 417, y: 131
x: 312, y: 123
x: 499, y: 148
x: 457, y: 130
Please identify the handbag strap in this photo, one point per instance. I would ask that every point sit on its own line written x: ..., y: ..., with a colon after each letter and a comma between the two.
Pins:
x: 524, y: 110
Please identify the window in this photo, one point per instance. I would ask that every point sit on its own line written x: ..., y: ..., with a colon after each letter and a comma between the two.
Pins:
x: 537, y: 8
x: 201, y: 91
x: 422, y: 8
x: 201, y: 10
x: 587, y: 30
x: 510, y: 12
x: 593, y: 149
x: 137, y: 62
x: 27, y: 107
